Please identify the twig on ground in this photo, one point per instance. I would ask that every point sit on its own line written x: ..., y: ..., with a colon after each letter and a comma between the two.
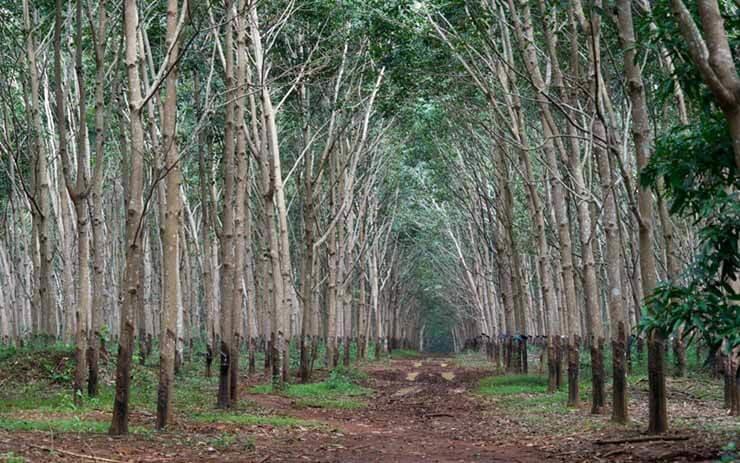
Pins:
x: 72, y: 454
x: 613, y: 452
x: 640, y: 439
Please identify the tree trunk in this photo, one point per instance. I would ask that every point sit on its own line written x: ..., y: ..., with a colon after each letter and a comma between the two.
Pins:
x: 171, y: 253
x: 551, y: 134
x: 207, y: 265
x: 78, y: 194
x: 132, y: 273
x: 98, y: 232
x: 735, y: 368
x: 44, y: 307
x: 642, y: 137
x: 240, y: 210
x: 228, y: 253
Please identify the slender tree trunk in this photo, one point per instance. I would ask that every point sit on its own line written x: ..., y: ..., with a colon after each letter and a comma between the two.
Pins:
x: 614, y: 279
x: 171, y: 243
x: 43, y: 307
x: 78, y: 194
x: 274, y: 199
x: 134, y: 207
x: 332, y: 261
x: 98, y: 232
x: 241, y: 202
x: 309, y: 220
x: 658, y: 422
x: 207, y: 271
x: 228, y: 253
x: 551, y: 134
x: 593, y: 311
x: 375, y: 300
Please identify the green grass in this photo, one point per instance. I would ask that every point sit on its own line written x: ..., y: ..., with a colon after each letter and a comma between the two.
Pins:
x: 401, y: 354
x: 512, y: 384
x: 528, y: 394
x: 526, y: 398
x: 11, y: 457
x: 469, y: 359
x: 340, y: 390
x: 192, y: 391
x: 324, y: 389
x: 35, y: 345
x: 71, y: 424
x: 227, y: 440
x: 252, y: 419
x: 346, y: 404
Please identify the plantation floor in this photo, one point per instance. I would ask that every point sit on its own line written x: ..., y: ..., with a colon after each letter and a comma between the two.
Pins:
x: 418, y: 410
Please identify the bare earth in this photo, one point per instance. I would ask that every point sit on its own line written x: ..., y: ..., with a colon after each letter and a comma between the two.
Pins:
x: 422, y: 411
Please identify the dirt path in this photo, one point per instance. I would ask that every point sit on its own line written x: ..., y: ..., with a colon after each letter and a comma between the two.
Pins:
x: 421, y: 412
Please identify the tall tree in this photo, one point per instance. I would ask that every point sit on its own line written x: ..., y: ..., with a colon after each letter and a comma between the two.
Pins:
x: 642, y: 138
x: 227, y: 237
x: 173, y: 216
x: 132, y: 297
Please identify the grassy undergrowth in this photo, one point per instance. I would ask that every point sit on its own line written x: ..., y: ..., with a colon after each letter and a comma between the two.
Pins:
x: 48, y: 396
x: 401, y: 354
x: 36, y: 391
x: 38, y: 380
x: 339, y: 390
x: 526, y: 397
x: 11, y: 458
x: 472, y: 359
x: 514, y: 384
x: 252, y: 419
x: 231, y: 441
x: 72, y: 424
x: 529, y: 392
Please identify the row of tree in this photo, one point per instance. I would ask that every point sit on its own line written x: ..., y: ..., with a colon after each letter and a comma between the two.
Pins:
x: 252, y: 176
x: 551, y: 230
x: 228, y: 185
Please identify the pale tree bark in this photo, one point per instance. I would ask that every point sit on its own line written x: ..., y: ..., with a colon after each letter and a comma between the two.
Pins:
x: 341, y: 241
x: 642, y: 138
x: 227, y: 237
x: 98, y: 229
x: 309, y: 223
x: 525, y: 35
x: 374, y: 296
x: 5, y: 307
x: 583, y: 197
x: 207, y: 263
x: 249, y: 273
x: 617, y: 313
x: 171, y: 290
x: 508, y: 81
x: 240, y: 210
x: 134, y: 211
x: 43, y: 296
x: 79, y: 195
x: 332, y: 264
x: 711, y: 53
x: 78, y: 192
x: 362, y: 306
x: 346, y: 283
x: 275, y: 202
